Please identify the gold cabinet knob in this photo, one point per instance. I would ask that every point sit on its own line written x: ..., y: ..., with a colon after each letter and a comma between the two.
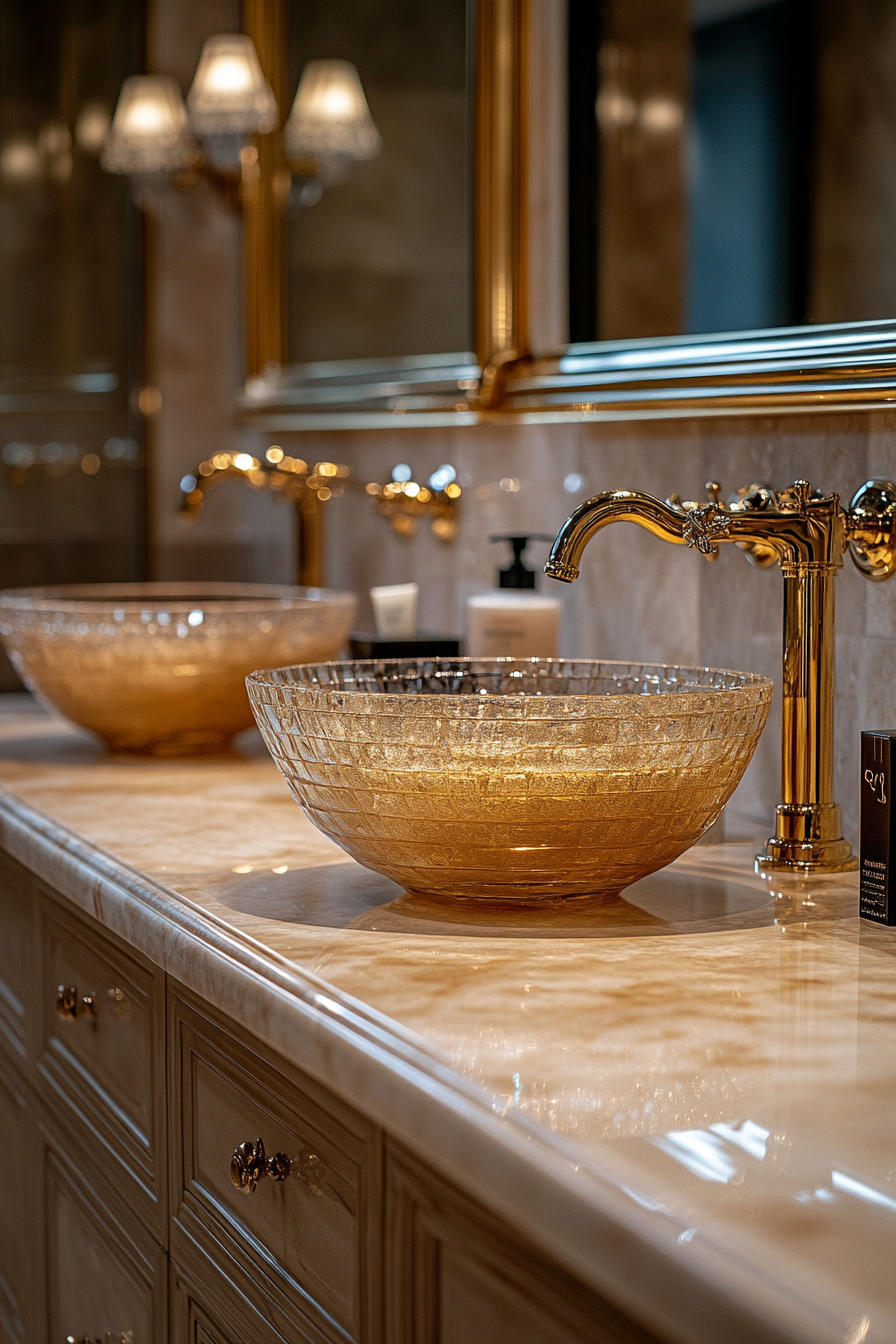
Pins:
x: 110, y: 1337
x: 248, y: 1165
x: 251, y: 1164
x: 70, y: 1007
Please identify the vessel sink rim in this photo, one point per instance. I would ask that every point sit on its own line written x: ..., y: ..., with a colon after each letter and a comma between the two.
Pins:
x: 270, y: 676
x: 213, y: 594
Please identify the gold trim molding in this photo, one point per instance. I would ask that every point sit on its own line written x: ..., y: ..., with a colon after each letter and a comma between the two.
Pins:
x: 265, y: 184
x: 500, y: 264
x: 796, y: 369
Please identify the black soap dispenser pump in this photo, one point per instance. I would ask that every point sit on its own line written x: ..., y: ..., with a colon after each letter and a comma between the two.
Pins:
x: 517, y: 574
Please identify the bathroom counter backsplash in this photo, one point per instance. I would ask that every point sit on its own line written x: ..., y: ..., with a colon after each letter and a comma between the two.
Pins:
x: 710, y: 1057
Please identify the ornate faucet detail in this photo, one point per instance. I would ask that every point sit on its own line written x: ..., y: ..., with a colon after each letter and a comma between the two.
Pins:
x: 705, y: 525
x: 806, y: 534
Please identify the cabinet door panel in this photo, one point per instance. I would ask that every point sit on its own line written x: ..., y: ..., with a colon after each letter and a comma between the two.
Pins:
x: 18, y: 1230
x: 457, y: 1275
x: 475, y: 1306
x: 104, y: 1274
x: 103, y: 1068
x: 314, y: 1236
x: 17, y: 952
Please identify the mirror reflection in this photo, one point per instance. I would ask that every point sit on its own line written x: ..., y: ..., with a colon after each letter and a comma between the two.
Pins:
x: 732, y: 164
x: 71, y: 457
x: 378, y: 255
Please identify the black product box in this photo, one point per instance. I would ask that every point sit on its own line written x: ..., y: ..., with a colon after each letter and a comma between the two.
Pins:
x: 420, y: 646
x: 877, y: 864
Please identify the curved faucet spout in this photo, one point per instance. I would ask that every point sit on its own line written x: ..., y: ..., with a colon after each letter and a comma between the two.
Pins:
x: 805, y: 532
x: 613, y: 506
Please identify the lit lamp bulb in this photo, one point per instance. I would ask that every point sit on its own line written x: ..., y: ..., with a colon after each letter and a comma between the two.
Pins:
x: 230, y: 97
x: 92, y: 127
x: 20, y: 162
x: 330, y: 121
x: 149, y: 132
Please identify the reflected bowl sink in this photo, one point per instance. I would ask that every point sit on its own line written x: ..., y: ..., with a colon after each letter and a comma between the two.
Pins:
x: 159, y: 668
x: 498, y: 780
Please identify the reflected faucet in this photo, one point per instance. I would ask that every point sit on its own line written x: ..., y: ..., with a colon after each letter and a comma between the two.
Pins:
x: 402, y: 503
x: 806, y: 534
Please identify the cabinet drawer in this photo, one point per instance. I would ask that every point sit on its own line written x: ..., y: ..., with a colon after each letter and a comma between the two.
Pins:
x: 17, y: 953
x: 106, y: 1278
x: 313, y: 1238
x: 102, y: 1064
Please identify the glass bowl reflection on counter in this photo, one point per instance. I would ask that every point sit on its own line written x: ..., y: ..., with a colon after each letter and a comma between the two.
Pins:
x: 499, y: 780
x: 159, y: 668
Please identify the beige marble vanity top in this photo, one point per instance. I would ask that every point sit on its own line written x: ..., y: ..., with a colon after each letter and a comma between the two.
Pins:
x: 688, y: 1096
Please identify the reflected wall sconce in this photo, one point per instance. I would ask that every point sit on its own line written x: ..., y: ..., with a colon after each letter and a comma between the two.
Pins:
x: 149, y: 134
x: 156, y: 137
x: 329, y: 127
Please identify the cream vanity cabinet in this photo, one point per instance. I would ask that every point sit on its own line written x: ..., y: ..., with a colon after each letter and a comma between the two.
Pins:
x: 128, y: 1110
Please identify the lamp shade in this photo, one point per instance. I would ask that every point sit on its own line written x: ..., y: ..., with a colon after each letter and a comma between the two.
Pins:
x: 229, y: 94
x: 330, y: 117
x: 149, y: 132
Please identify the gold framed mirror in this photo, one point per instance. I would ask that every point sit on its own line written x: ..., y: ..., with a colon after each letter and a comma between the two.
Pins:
x: 476, y: 295
x: 520, y: 137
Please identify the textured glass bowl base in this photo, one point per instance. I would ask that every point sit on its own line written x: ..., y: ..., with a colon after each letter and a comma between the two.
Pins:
x: 494, y: 780
x: 159, y: 668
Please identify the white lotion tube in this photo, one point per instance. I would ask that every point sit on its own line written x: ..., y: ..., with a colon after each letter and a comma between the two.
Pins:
x: 511, y: 624
x: 395, y: 610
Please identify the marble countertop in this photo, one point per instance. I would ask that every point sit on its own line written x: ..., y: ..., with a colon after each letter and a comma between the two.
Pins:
x: 688, y: 1097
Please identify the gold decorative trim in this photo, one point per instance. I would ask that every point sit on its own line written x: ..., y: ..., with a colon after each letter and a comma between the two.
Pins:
x: 817, y: 368
x: 501, y: 299
x: 794, y: 369
x: 263, y: 181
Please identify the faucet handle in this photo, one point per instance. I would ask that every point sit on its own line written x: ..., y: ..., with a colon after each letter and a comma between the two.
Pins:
x: 688, y: 505
x: 714, y: 490
x: 753, y: 497
x: 871, y: 529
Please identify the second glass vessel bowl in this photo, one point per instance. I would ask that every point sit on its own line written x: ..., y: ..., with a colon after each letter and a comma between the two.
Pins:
x: 159, y: 668
x: 499, y: 780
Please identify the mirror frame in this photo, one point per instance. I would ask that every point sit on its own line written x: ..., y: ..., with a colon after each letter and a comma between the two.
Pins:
x: 792, y: 369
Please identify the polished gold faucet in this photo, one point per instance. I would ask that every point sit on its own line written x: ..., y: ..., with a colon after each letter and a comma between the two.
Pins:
x: 806, y: 534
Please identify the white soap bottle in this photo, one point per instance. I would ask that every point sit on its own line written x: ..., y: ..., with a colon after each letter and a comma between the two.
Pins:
x: 513, y: 621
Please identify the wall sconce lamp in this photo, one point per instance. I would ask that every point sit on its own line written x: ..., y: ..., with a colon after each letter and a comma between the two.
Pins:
x: 156, y: 136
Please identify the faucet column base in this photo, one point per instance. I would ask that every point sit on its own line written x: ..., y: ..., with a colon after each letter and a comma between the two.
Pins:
x: 808, y: 839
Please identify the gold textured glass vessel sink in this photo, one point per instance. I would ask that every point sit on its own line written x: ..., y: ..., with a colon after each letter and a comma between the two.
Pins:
x: 159, y: 668
x: 493, y: 779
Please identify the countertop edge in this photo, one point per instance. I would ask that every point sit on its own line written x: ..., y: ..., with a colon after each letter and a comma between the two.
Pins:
x: 693, y: 1292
